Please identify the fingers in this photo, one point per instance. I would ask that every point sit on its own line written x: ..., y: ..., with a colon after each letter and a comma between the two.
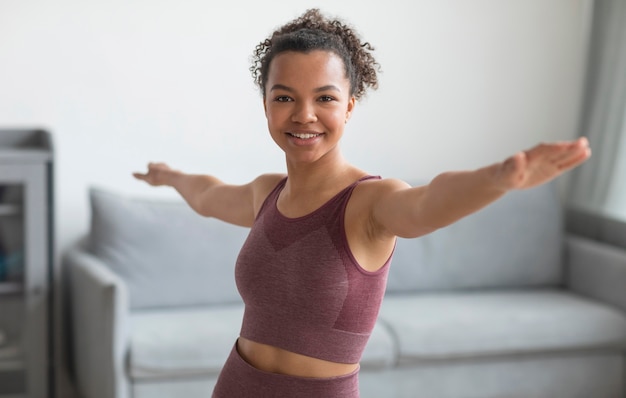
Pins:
x: 547, y: 161
x: 563, y: 155
x: 576, y: 159
x: 140, y: 176
x: 583, y: 141
x: 576, y: 153
x: 151, y: 175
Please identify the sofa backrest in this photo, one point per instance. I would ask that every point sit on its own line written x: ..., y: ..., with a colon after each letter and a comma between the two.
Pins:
x: 167, y: 254
x: 170, y: 256
x: 514, y: 242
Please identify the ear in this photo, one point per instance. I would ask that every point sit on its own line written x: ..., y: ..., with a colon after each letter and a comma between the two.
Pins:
x: 351, y: 105
x: 264, y: 106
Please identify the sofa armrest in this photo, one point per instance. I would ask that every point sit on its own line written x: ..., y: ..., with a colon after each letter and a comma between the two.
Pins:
x: 100, y: 317
x: 596, y: 270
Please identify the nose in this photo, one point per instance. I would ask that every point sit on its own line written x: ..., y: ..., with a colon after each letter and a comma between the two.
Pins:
x: 304, y: 113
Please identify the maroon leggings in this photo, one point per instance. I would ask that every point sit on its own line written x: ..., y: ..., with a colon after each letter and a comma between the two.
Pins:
x: 239, y: 379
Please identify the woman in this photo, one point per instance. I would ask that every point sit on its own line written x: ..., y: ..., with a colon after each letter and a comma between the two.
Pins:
x: 312, y: 272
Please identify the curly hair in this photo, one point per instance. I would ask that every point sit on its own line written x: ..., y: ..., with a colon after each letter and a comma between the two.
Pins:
x: 312, y: 31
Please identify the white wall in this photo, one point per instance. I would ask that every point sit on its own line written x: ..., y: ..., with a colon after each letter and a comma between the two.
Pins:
x: 121, y: 83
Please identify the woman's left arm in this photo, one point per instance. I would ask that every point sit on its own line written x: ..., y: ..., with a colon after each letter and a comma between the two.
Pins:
x: 412, y: 212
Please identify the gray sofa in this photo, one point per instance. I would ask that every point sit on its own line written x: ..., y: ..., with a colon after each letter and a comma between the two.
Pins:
x: 503, y: 303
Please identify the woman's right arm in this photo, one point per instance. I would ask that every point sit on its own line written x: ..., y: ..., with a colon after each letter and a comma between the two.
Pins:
x: 209, y: 196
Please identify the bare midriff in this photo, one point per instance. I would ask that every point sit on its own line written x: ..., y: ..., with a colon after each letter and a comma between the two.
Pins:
x: 276, y: 360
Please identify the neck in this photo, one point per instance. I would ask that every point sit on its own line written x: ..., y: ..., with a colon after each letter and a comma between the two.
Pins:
x: 317, y: 177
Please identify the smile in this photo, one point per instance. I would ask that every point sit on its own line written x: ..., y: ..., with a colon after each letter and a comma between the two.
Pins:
x: 304, y: 136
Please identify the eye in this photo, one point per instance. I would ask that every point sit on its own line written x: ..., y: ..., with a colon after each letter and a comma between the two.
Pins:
x: 282, y: 98
x: 326, y: 98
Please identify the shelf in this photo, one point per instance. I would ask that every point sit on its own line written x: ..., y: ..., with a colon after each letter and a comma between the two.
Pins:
x: 10, y: 210
x: 27, y: 259
x: 13, y: 156
x: 25, y: 146
x: 7, y: 288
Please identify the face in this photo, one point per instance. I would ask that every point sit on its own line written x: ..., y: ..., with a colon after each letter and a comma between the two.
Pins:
x: 307, y: 104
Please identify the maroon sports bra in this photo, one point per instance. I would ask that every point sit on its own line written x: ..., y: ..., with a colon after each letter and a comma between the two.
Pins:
x: 303, y: 289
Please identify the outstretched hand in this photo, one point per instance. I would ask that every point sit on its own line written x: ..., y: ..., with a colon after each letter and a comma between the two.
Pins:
x: 155, y: 175
x: 542, y: 163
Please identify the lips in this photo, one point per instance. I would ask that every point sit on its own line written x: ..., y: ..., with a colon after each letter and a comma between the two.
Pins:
x: 304, y: 136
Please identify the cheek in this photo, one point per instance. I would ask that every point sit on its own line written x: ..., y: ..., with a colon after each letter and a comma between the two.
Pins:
x: 338, y: 117
x: 276, y: 120
x: 270, y: 114
x: 274, y: 108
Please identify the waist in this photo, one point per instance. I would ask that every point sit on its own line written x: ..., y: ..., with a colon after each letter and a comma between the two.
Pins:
x: 277, y: 360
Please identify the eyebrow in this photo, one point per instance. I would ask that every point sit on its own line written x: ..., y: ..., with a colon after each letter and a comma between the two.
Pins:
x: 329, y: 87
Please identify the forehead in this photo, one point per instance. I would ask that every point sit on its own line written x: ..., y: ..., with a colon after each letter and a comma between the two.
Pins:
x: 315, y: 67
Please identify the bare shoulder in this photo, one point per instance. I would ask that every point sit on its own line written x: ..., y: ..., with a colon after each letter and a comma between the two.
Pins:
x: 269, y: 178
x: 375, y: 189
x: 369, y: 195
x: 262, y: 186
x: 389, y: 205
x: 266, y: 182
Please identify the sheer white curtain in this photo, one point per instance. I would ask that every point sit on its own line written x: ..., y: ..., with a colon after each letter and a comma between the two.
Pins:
x: 600, y: 185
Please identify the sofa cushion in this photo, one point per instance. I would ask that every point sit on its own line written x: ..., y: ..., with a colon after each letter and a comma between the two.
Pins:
x: 166, y: 253
x: 182, y: 342
x: 491, y: 323
x: 171, y: 344
x: 514, y: 242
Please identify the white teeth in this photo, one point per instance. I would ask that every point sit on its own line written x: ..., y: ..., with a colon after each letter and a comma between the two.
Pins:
x: 304, y: 136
